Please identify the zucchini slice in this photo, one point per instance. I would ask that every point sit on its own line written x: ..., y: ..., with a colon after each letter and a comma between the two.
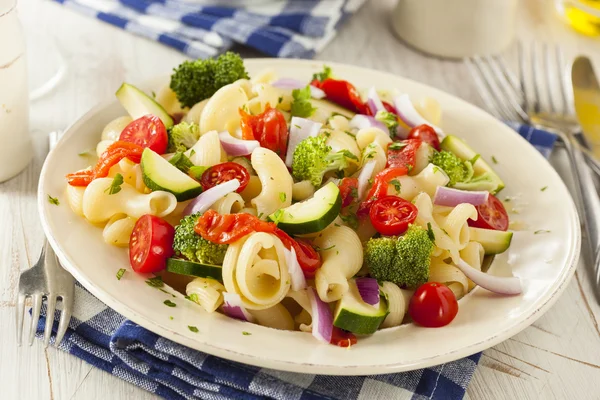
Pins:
x: 185, y: 267
x: 138, y: 104
x: 159, y: 174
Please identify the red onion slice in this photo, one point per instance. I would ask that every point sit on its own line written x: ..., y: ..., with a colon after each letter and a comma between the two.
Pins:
x: 300, y: 129
x: 360, y: 121
x: 445, y: 196
x: 291, y: 83
x: 237, y: 147
x: 233, y: 307
x: 322, y: 320
x: 368, y: 288
x: 210, y: 196
x: 374, y: 102
x: 363, y: 178
x: 410, y: 116
x: 496, y: 284
x: 298, y: 282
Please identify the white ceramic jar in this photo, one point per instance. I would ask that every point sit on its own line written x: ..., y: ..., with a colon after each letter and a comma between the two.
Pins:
x: 456, y: 28
x: 16, y: 147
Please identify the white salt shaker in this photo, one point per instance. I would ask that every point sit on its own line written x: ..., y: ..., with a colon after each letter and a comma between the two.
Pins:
x: 456, y: 28
x: 16, y: 149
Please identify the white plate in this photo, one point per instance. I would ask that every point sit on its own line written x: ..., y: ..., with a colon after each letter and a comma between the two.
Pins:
x: 544, y: 262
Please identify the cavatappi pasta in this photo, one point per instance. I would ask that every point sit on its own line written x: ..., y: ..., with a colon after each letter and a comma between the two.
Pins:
x: 279, y: 205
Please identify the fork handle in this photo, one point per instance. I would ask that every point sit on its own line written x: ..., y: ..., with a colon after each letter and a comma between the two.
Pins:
x: 589, y: 201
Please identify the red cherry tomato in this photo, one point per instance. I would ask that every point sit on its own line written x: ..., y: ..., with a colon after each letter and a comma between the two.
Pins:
x: 225, y: 172
x: 343, y: 93
x: 348, y: 190
x: 379, y: 188
x: 389, y: 107
x: 403, y: 154
x: 391, y: 215
x: 269, y: 128
x: 433, y: 305
x: 427, y: 134
x: 491, y: 215
x: 342, y: 338
x: 150, y: 244
x: 147, y: 131
x: 111, y: 156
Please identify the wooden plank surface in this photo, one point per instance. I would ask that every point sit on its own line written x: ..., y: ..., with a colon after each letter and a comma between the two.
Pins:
x: 558, y: 357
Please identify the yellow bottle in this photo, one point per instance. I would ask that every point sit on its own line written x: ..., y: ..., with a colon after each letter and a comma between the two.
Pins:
x: 582, y: 15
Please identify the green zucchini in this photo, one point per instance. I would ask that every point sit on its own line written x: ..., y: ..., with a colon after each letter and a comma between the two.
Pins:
x: 493, y: 242
x: 354, y: 315
x: 184, y: 267
x: 138, y: 104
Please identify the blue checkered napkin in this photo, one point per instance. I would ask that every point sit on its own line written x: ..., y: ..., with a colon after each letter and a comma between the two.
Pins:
x: 292, y: 28
x: 108, y: 341
x: 543, y: 141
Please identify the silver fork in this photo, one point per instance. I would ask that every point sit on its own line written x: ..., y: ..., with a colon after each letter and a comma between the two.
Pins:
x: 521, y: 99
x: 45, y: 279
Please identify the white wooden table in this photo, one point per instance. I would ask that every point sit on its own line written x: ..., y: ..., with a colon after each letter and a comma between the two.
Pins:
x: 558, y: 357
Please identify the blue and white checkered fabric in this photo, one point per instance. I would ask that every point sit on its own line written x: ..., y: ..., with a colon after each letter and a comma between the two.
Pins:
x: 105, y: 339
x: 290, y: 28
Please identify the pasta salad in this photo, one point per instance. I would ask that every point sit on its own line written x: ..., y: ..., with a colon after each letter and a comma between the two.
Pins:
x: 296, y: 204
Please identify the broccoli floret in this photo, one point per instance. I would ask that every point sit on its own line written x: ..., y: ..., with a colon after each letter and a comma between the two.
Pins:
x: 313, y: 159
x: 194, y: 81
x: 456, y: 169
x: 403, y: 260
x: 182, y: 136
x: 193, y: 247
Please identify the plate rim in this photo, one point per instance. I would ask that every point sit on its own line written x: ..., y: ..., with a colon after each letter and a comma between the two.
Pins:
x: 348, y: 370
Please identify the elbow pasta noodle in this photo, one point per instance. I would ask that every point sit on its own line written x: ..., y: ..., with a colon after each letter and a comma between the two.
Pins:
x: 374, y: 152
x: 113, y: 129
x: 252, y: 190
x: 422, y: 157
x: 167, y: 98
x: 340, y: 140
x: 267, y: 94
x: 131, y: 173
x: 473, y: 255
x: 193, y: 116
x: 267, y: 75
x: 206, y: 292
x: 455, y: 224
x: 100, y: 206
x: 221, y: 113
x: 339, y: 123
x: 397, y: 304
x: 277, y: 317
x: 302, y: 190
x: 366, y: 136
x: 102, y: 146
x: 440, y: 271
x: 430, y: 178
x: 118, y: 230
x: 231, y: 203
x: 255, y: 268
x: 75, y: 198
x: 443, y: 242
x: 276, y: 182
x: 342, y: 257
x: 304, y: 318
x: 207, y: 151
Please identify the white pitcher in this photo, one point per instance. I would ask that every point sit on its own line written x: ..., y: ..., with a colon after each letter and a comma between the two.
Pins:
x: 16, y: 148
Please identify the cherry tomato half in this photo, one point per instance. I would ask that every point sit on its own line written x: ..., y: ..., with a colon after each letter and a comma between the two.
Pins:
x: 269, y: 128
x: 348, y: 190
x: 150, y: 244
x: 343, y: 93
x: 427, y: 134
x: 308, y: 258
x: 147, y: 131
x: 403, y: 154
x: 380, y: 188
x: 391, y: 215
x: 225, y: 172
x: 491, y: 215
x: 433, y: 305
x: 342, y: 338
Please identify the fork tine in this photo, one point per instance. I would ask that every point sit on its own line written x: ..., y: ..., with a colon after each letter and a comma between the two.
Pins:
x: 49, y: 318
x: 564, y: 83
x: 521, y: 60
x: 502, y: 73
x: 19, y: 314
x: 482, y: 89
x: 35, y: 315
x: 534, y: 78
x: 65, y: 317
x: 491, y: 88
x: 550, y: 75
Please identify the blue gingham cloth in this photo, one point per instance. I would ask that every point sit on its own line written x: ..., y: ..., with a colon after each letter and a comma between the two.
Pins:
x: 279, y: 28
x: 107, y: 340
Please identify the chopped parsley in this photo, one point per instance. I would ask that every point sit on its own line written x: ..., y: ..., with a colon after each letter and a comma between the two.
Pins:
x: 330, y: 247
x: 321, y: 76
x: 397, y: 185
x: 282, y: 196
x: 301, y: 106
x: 120, y: 273
x: 430, y: 232
x: 474, y: 159
x: 277, y: 215
x: 280, y: 100
x: 397, y: 146
x: 155, y: 282
x: 85, y: 153
x: 196, y: 171
x: 115, y: 186
x: 544, y: 188
x: 53, y: 200
x: 171, y: 318
x: 541, y: 231
x: 182, y: 162
x: 389, y: 119
x: 246, y: 333
x: 494, y: 160
x: 507, y: 200
x: 193, y: 297
x: 169, y: 303
x: 192, y: 152
x: 351, y: 220
x: 153, y: 94
x: 193, y: 328
x: 260, y: 215
x: 354, y: 193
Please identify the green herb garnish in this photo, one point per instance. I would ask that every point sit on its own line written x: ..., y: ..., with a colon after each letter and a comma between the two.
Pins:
x: 301, y: 106
x: 193, y: 328
x: 169, y: 303
x: 115, y: 186
x: 120, y: 273
x: 155, y: 282
x: 53, y: 200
